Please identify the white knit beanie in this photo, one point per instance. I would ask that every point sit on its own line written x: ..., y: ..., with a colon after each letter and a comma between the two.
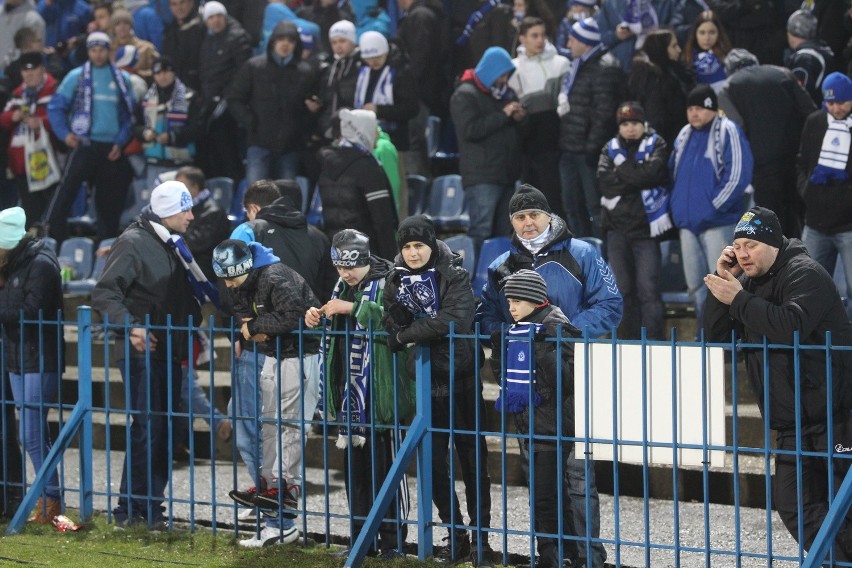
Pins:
x: 344, y: 29
x: 170, y: 198
x: 373, y: 44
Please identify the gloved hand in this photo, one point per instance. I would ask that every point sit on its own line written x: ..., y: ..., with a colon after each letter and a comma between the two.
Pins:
x: 394, y: 344
x: 400, y: 315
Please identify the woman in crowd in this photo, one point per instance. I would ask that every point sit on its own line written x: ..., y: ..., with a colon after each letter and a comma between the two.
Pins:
x: 706, y: 48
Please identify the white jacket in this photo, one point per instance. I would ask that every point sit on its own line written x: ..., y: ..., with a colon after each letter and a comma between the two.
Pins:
x: 533, y: 72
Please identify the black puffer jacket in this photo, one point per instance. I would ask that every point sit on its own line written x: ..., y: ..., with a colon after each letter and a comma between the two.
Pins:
x: 182, y: 42
x: 209, y: 227
x: 796, y: 294
x: 143, y: 277
x: 268, y: 100
x: 598, y: 89
x: 221, y: 57
x: 547, y: 377
x: 456, y: 305
x: 276, y: 298
x: 627, y: 181
x: 827, y: 206
x: 32, y: 285
x: 425, y: 37
x: 302, y: 247
x: 488, y: 139
x: 355, y: 195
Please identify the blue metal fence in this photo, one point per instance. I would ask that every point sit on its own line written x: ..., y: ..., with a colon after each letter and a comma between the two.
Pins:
x: 633, y: 530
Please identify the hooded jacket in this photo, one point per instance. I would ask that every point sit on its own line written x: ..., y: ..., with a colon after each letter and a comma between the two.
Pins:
x: 302, y: 247
x: 268, y: 98
x: 144, y: 278
x: 356, y: 194
x: 811, y: 62
x: 578, y: 281
x: 32, y: 286
x: 456, y: 305
x: 488, y: 139
x: 548, y: 354
x: 710, y: 169
x: 828, y: 206
x: 531, y: 73
x: 64, y: 19
x: 276, y: 298
x: 796, y: 294
x: 222, y: 56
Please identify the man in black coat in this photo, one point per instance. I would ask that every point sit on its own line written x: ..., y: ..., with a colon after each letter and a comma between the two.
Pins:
x: 182, y: 39
x: 267, y: 97
x: 767, y: 287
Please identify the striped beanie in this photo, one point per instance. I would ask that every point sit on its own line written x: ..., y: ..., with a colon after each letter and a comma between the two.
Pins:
x: 526, y: 285
x: 587, y: 31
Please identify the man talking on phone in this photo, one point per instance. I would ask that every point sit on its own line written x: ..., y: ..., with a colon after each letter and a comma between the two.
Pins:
x: 767, y: 285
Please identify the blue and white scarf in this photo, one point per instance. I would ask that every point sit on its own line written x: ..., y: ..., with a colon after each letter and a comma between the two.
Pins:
x: 641, y: 17
x: 708, y: 69
x: 176, y: 108
x: 382, y: 94
x: 419, y: 293
x: 81, y: 120
x: 202, y: 289
x: 715, y: 146
x: 563, y: 107
x: 354, y: 408
x: 520, y: 369
x: 655, y: 200
x: 834, y: 154
x: 474, y: 19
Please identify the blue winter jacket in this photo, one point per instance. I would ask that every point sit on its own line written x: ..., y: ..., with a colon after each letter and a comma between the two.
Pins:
x: 64, y: 19
x: 711, y: 169
x: 593, y: 304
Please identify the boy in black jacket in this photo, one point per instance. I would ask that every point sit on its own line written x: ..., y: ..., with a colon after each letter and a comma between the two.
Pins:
x: 533, y: 382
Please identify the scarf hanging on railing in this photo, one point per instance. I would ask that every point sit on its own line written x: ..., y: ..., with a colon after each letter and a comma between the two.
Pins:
x: 655, y: 200
x: 81, y: 120
x: 520, y: 369
x: 419, y: 292
x: 202, y: 289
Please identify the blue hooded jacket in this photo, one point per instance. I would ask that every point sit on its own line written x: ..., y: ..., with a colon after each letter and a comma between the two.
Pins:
x: 494, y: 63
x: 261, y: 255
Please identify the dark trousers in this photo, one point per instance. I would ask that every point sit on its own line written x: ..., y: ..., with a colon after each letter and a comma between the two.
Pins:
x: 149, y: 437
x: 36, y: 203
x: 220, y: 149
x: 548, y: 472
x: 365, y: 469
x: 110, y: 179
x: 815, y: 486
x: 443, y: 494
x: 11, y: 459
x: 541, y: 169
x: 636, y: 264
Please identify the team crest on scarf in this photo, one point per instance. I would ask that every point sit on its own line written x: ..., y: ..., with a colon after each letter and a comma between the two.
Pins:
x: 419, y: 293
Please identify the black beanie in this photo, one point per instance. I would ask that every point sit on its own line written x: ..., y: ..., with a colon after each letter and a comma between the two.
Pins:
x: 528, y: 198
x: 760, y: 224
x: 418, y: 228
x: 526, y: 285
x: 350, y: 248
x: 703, y: 96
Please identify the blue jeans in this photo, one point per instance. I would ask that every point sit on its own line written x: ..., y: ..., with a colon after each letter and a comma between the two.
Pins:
x: 824, y: 249
x: 636, y: 264
x: 488, y: 207
x: 580, y: 195
x: 31, y: 390
x: 245, y: 408
x: 700, y: 253
x: 149, y: 436
x: 262, y: 163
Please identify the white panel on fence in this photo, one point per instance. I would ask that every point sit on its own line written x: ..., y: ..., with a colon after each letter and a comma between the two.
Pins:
x: 700, y: 413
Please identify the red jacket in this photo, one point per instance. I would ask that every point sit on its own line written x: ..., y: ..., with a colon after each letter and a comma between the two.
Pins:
x: 16, y: 140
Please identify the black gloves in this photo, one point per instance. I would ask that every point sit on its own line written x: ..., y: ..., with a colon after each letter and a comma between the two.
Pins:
x: 394, y: 344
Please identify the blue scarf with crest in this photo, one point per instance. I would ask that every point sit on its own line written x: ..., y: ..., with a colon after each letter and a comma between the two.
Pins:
x: 520, y: 369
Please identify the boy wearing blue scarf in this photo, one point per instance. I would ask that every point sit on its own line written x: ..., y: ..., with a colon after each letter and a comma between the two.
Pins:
x: 426, y: 292
x: 270, y: 300
x: 538, y: 373
x: 632, y: 174
x: 358, y: 393
x: 92, y: 112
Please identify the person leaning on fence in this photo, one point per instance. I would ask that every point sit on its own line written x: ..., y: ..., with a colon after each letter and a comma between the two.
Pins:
x: 427, y: 290
x: 147, y: 278
x: 530, y: 358
x: 30, y: 283
x: 767, y: 286
x: 271, y: 299
x: 358, y: 390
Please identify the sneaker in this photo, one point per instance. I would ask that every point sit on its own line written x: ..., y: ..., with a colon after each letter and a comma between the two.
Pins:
x: 244, y: 497
x: 247, y: 515
x: 268, y: 502
x: 269, y: 536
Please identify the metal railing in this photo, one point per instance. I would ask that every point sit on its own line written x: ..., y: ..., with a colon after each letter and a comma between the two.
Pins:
x: 655, y: 405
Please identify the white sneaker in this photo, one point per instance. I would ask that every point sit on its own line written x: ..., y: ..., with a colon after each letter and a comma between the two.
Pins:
x: 269, y: 536
x: 247, y: 515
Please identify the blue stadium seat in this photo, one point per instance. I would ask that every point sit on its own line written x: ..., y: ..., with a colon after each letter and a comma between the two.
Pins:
x: 446, y: 205
x: 433, y: 135
x: 314, y: 215
x: 50, y: 242
x: 490, y: 250
x: 85, y: 286
x: 141, y: 196
x: 236, y: 213
x: 418, y: 193
x: 463, y: 245
x: 222, y: 189
x: 77, y: 253
x: 672, y: 280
